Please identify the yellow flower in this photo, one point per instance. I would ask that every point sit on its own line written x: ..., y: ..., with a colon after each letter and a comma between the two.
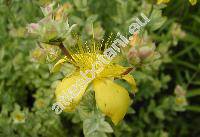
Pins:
x: 193, y: 2
x: 94, y: 68
x: 162, y: 1
x: 40, y: 103
x: 181, y: 101
x: 18, y: 117
x: 112, y: 99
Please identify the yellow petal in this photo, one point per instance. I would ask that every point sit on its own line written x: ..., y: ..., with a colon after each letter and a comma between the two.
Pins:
x: 85, y: 61
x: 162, y: 1
x: 58, y: 65
x: 112, y: 99
x: 129, y: 78
x: 193, y: 2
x: 112, y: 71
x: 70, y: 91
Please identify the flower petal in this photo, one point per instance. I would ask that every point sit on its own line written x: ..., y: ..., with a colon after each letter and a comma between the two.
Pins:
x: 70, y: 91
x: 112, y: 99
x: 58, y: 65
x: 162, y: 1
x: 129, y: 78
x: 112, y: 71
x: 193, y: 2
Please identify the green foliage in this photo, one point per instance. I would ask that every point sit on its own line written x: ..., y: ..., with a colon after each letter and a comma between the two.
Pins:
x: 27, y: 88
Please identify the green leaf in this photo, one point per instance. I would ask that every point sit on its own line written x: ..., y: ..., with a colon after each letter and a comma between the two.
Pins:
x: 193, y: 108
x: 89, y: 126
x: 156, y: 20
x: 192, y: 93
x: 105, y: 127
x: 96, y: 134
x: 87, y: 105
x: 159, y: 113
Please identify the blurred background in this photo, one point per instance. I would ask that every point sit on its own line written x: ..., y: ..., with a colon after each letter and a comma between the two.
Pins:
x: 167, y: 102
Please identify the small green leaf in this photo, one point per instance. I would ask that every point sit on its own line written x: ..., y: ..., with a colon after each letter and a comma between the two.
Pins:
x: 105, y: 127
x: 89, y: 126
x: 192, y: 93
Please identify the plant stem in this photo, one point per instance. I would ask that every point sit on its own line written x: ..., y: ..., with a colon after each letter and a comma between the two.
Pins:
x: 128, y: 70
x: 65, y: 51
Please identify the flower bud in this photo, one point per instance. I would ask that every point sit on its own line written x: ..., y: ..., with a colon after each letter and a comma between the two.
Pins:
x: 134, y: 40
x: 177, y: 32
x: 133, y: 56
x: 33, y: 27
x: 51, y: 29
x: 60, y: 12
x: 144, y: 52
x: 179, y: 91
x: 132, y: 53
x: 48, y: 9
